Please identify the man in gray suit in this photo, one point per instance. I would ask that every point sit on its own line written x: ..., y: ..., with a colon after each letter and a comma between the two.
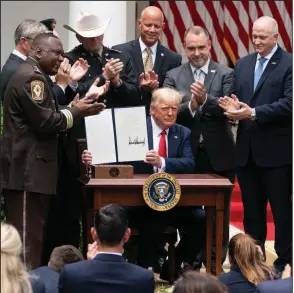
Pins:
x: 201, y: 82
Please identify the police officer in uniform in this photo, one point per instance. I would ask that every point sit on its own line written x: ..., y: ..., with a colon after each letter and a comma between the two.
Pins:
x: 29, y: 144
x: 107, y: 64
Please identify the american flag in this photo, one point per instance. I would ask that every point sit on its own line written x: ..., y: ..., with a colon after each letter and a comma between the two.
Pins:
x: 229, y: 24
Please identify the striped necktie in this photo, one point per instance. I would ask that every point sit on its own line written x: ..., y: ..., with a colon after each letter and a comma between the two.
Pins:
x: 148, y: 65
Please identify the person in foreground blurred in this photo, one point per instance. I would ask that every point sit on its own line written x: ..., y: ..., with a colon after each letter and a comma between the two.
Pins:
x: 60, y: 256
x: 195, y: 282
x: 108, y: 272
x: 248, y: 268
x: 14, y: 277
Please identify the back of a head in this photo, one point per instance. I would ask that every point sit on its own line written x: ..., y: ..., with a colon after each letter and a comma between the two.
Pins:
x: 14, y: 277
x: 111, y: 223
x: 63, y: 255
x: 194, y: 282
x: 29, y: 28
x: 245, y: 254
x: 165, y: 94
x: 42, y: 40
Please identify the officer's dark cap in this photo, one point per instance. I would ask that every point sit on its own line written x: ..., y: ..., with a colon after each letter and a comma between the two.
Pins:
x: 50, y: 23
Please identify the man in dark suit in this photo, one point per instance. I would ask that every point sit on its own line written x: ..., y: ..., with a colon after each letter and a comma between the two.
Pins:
x: 149, y: 58
x: 29, y: 142
x: 202, y: 81
x: 263, y: 106
x: 60, y: 256
x: 178, y: 158
x: 108, y: 271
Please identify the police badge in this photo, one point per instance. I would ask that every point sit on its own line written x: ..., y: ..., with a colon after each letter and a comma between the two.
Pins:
x: 161, y: 191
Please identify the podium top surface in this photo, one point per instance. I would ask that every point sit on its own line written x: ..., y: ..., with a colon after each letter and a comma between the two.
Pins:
x: 200, y: 180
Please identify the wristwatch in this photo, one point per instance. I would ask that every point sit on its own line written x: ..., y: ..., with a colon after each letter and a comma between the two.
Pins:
x: 253, y: 114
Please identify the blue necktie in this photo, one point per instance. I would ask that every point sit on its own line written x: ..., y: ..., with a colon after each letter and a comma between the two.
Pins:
x: 258, y: 71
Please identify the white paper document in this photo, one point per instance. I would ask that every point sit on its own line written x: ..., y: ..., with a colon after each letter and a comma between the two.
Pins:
x: 131, y: 133
x: 100, y: 137
x: 126, y: 140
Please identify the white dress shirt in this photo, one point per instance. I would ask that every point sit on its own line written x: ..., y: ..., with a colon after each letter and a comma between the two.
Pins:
x: 268, y: 57
x: 144, y: 53
x: 156, y: 132
x: 20, y: 55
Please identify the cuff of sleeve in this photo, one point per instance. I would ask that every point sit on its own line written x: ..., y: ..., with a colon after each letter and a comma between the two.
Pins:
x: 163, y: 165
x: 63, y: 89
x: 69, y: 118
x: 192, y: 112
x: 203, y: 103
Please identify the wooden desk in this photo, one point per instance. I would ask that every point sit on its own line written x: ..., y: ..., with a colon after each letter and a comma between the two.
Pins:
x: 197, y: 190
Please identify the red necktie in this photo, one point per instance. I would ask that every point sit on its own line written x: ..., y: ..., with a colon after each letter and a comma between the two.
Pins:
x: 162, y: 145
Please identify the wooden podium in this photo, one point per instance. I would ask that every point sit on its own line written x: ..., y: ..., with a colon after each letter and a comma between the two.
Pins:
x: 197, y: 190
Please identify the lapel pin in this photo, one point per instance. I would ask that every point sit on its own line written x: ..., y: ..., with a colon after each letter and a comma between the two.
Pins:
x: 175, y: 136
x: 106, y: 54
x: 274, y: 63
x: 212, y: 70
x: 162, y: 54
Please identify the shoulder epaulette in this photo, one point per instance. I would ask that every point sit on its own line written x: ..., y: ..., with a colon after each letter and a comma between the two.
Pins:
x: 114, y: 50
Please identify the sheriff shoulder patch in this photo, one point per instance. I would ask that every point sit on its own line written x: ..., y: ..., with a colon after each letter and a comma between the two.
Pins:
x: 37, y: 90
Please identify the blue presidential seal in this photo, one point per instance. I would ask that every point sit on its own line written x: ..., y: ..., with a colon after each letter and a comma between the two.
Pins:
x: 161, y: 191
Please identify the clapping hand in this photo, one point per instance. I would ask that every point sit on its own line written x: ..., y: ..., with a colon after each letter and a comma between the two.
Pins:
x: 78, y: 71
x: 198, y: 94
x: 149, y: 80
x: 62, y: 76
x: 96, y: 92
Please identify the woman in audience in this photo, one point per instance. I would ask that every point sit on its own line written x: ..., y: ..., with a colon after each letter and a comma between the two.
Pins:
x: 14, y: 277
x: 248, y: 268
x: 194, y: 282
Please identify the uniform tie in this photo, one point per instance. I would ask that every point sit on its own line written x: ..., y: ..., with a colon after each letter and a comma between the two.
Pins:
x: 162, y: 145
x: 148, y: 65
x: 258, y: 71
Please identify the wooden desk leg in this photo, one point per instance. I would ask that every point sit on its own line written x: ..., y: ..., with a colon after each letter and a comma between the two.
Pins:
x: 209, y: 233
x: 219, y: 232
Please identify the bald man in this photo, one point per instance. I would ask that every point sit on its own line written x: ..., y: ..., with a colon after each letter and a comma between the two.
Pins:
x: 263, y: 106
x: 150, y: 59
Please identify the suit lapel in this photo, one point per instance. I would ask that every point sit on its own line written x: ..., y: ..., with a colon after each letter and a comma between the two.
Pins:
x: 173, y: 142
x: 149, y: 133
x: 189, y: 74
x: 159, y: 59
x: 137, y: 56
x: 16, y: 58
x: 250, y: 73
x: 212, y: 70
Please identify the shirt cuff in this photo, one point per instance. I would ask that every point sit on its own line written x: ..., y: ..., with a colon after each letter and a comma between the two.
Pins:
x: 74, y: 87
x: 192, y: 112
x: 63, y: 89
x: 203, y: 103
x: 162, y: 169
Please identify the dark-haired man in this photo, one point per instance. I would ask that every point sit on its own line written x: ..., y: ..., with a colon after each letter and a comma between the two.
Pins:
x: 108, y: 271
x: 60, y: 256
x: 29, y: 142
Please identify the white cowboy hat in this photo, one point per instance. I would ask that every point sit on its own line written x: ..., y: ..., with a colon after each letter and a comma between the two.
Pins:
x: 89, y: 25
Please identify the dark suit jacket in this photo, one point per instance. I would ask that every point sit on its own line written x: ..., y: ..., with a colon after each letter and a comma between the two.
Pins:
x: 12, y: 65
x: 165, y: 60
x: 49, y: 277
x: 276, y: 286
x: 180, y: 158
x: 106, y: 273
x: 210, y: 121
x: 269, y: 137
x: 236, y: 283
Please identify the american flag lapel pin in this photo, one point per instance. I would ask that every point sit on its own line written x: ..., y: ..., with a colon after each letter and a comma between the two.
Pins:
x: 162, y: 54
x: 274, y: 63
x: 175, y: 136
x: 212, y: 70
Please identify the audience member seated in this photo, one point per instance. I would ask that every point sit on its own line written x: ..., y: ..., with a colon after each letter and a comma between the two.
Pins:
x: 195, y: 282
x: 284, y: 285
x: 60, y: 256
x: 14, y: 276
x: 107, y: 271
x: 248, y: 268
